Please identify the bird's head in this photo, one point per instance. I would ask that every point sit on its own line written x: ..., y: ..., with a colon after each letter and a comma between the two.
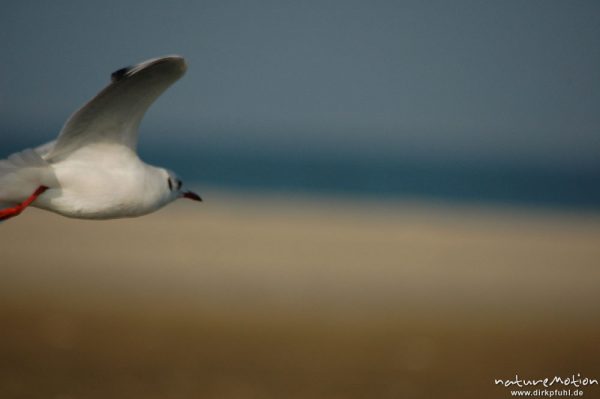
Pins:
x: 174, y: 185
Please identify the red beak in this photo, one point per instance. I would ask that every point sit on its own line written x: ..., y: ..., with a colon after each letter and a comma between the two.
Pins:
x: 192, y: 196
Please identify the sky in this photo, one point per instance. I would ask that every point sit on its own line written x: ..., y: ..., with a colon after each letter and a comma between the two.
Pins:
x: 498, y: 81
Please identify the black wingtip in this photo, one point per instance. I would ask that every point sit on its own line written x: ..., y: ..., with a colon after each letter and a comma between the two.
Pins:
x: 119, y: 74
x: 174, y: 63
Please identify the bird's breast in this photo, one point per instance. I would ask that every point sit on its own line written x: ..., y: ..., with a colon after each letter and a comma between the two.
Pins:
x: 88, y: 192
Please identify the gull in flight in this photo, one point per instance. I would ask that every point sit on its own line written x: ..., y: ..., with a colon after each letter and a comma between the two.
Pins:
x: 92, y: 170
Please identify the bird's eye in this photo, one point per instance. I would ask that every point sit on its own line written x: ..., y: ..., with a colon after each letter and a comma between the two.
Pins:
x: 179, y: 183
x: 170, y: 184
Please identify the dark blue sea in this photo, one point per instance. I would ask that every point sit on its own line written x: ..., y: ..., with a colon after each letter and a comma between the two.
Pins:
x: 294, y: 171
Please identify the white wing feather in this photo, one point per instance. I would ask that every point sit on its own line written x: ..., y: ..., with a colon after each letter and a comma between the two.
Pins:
x: 114, y: 115
x: 21, y: 173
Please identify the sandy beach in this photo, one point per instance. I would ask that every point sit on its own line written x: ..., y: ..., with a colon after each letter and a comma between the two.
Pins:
x: 273, y: 297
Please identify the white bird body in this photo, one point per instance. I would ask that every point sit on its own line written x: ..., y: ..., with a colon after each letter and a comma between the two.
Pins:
x: 88, y: 190
x: 92, y: 171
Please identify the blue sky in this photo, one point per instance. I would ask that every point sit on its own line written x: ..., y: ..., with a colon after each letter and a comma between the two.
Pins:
x: 508, y: 81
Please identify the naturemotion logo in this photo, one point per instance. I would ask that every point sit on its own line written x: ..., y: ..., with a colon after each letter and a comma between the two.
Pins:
x: 548, y: 382
x: 573, y: 381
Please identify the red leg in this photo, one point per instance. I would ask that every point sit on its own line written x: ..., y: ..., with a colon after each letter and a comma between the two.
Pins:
x: 17, y: 209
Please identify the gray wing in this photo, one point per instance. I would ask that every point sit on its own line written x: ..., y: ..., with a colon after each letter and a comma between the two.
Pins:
x: 114, y: 115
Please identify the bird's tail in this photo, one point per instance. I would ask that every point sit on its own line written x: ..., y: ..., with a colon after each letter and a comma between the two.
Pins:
x: 21, y: 174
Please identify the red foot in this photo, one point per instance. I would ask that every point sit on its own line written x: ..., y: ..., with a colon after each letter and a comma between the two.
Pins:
x: 17, y: 209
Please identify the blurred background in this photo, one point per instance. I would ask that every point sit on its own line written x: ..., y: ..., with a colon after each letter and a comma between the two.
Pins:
x: 401, y: 200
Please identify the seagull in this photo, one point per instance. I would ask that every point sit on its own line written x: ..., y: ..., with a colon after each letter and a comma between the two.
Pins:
x: 92, y: 170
